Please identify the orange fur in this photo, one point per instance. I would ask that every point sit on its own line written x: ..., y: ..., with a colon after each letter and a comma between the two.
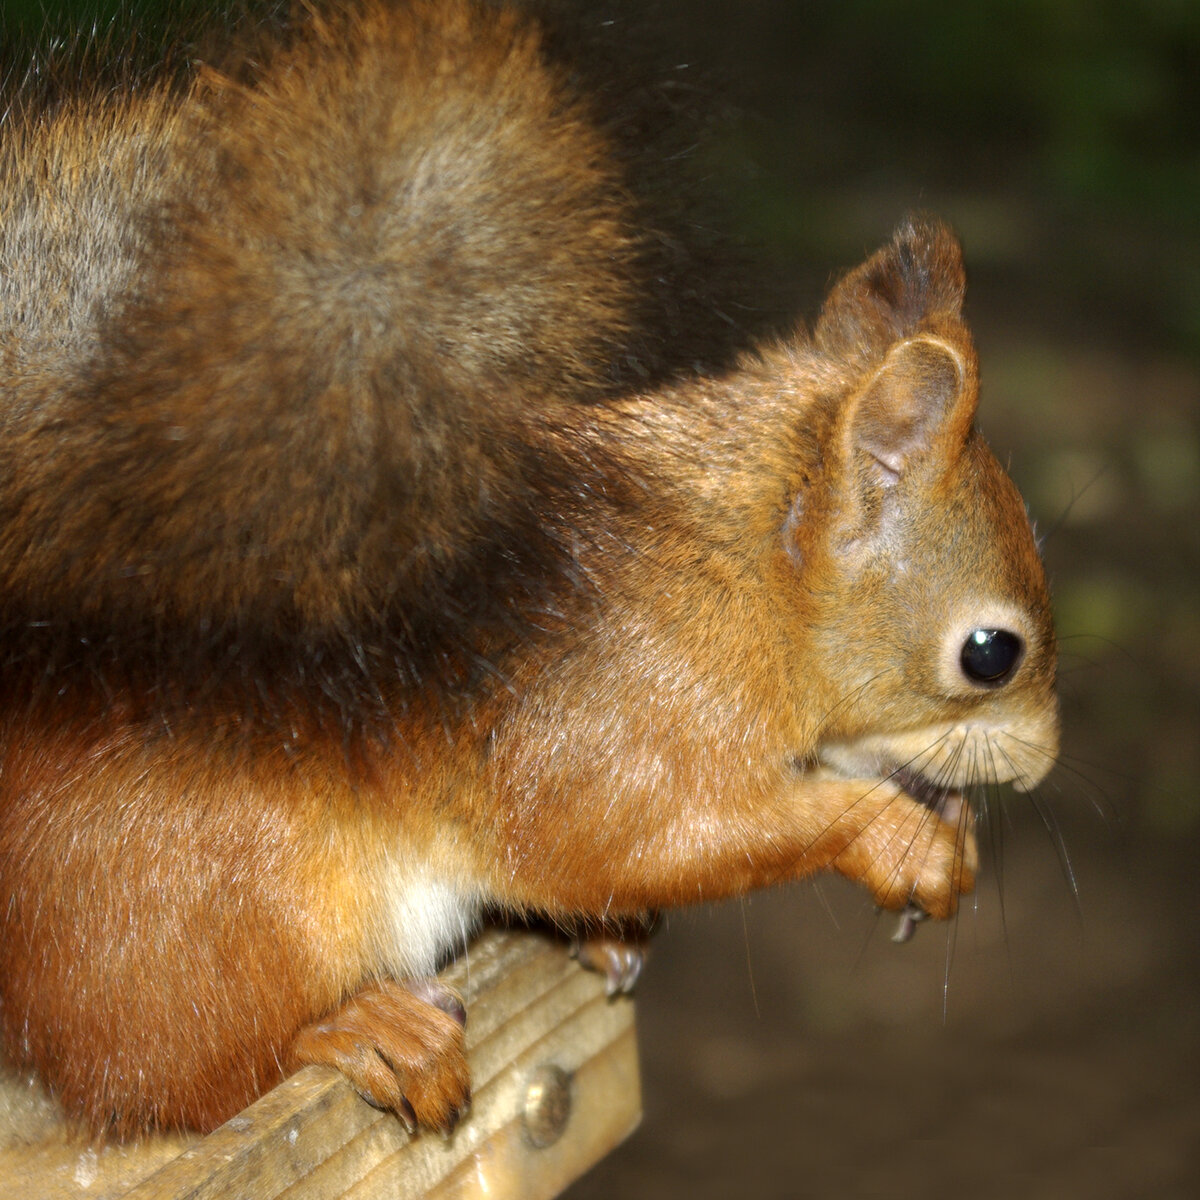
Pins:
x: 345, y: 589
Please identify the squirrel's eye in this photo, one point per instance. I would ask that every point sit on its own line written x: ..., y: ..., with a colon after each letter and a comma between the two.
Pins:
x: 990, y: 655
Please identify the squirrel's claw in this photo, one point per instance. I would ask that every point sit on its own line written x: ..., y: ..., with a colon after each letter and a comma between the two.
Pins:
x: 619, y: 959
x: 910, y: 917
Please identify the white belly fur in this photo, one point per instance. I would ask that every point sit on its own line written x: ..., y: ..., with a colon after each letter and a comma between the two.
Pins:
x: 423, y: 917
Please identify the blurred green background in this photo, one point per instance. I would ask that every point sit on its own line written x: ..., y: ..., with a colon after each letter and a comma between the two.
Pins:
x: 1045, y: 1043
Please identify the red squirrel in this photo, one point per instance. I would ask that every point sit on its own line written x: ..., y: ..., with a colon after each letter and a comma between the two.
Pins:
x: 353, y: 582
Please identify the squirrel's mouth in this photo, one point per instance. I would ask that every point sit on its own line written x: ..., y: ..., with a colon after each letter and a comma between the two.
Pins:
x: 948, y: 803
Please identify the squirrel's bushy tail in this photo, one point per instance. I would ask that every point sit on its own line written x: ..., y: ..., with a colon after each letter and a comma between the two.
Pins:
x: 364, y: 283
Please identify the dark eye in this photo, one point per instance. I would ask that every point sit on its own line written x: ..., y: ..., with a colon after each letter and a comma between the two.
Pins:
x: 990, y: 655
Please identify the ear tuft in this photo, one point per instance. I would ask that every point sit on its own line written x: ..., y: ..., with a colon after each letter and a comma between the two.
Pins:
x: 914, y: 282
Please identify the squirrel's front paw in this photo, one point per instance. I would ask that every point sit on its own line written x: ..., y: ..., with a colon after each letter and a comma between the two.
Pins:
x: 401, y: 1046
x: 912, y: 855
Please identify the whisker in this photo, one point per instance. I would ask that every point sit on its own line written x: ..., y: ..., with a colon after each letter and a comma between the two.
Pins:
x: 1061, y: 519
x: 995, y: 832
x: 1119, y: 647
x: 1104, y: 804
x: 783, y: 870
x: 1049, y: 822
x: 951, y: 945
x: 849, y: 698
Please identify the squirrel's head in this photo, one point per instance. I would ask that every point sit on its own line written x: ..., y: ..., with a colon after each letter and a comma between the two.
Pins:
x: 925, y: 602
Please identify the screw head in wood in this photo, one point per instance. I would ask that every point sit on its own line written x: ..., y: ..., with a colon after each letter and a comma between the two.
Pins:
x: 547, y: 1105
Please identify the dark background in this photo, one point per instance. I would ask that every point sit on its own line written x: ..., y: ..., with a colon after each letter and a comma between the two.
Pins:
x: 1045, y: 1043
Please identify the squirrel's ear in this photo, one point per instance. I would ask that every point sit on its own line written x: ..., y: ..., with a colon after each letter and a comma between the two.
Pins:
x: 916, y: 282
x: 923, y: 393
